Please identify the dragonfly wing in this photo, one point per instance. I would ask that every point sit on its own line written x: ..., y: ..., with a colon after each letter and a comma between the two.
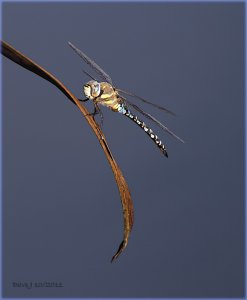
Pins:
x: 146, y: 101
x: 85, y: 72
x: 92, y: 64
x: 150, y: 117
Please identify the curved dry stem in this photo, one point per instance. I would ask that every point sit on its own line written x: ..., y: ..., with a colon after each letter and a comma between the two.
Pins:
x: 126, y: 200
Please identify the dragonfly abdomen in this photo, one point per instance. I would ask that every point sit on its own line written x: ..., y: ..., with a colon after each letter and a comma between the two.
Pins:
x: 149, y: 131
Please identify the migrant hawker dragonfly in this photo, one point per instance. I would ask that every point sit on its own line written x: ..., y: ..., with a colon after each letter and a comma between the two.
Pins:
x: 106, y: 94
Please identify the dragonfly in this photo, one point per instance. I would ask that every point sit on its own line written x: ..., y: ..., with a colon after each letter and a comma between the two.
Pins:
x: 103, y: 92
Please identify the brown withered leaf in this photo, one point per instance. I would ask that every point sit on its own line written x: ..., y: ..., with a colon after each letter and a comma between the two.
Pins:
x: 128, y: 212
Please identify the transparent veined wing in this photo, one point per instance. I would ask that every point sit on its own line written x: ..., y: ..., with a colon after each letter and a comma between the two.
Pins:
x: 146, y: 101
x: 89, y: 75
x: 150, y: 117
x: 92, y: 64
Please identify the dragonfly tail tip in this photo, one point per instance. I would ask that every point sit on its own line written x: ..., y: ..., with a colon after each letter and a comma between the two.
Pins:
x: 165, y: 153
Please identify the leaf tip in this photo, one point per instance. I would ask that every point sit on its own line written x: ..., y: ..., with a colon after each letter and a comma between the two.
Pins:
x: 122, y: 246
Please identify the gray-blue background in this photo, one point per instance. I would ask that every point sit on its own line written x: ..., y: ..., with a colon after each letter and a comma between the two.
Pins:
x: 62, y: 215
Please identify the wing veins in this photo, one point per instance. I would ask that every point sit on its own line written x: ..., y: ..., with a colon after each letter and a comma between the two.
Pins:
x: 85, y: 72
x: 146, y: 101
x: 150, y: 117
x: 92, y: 64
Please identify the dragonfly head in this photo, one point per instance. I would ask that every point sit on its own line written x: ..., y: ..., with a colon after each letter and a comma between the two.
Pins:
x: 91, y: 89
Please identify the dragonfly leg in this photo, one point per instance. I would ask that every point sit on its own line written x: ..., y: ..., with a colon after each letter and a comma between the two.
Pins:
x: 101, y: 115
x: 83, y: 100
x: 97, y: 110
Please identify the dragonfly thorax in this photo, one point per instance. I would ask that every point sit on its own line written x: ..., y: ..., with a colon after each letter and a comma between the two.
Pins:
x: 92, y: 89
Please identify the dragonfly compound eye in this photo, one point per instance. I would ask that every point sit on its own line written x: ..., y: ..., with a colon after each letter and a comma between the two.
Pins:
x: 87, y: 91
x: 95, y: 89
x: 92, y: 89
